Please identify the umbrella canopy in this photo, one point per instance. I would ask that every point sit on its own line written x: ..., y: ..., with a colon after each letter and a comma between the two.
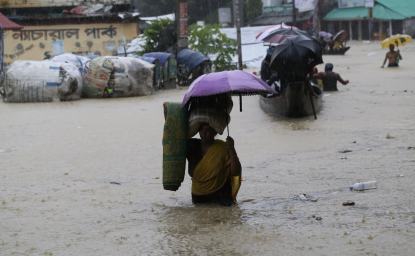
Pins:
x: 237, y: 81
x: 264, y: 33
x: 397, y: 40
x: 287, y: 31
x: 341, y: 36
x: 276, y: 39
x: 296, y: 56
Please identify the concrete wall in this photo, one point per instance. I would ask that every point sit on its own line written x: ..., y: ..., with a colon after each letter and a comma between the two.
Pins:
x: 35, y: 42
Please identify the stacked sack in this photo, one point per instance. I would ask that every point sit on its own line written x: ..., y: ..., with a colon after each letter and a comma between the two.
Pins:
x: 41, y: 81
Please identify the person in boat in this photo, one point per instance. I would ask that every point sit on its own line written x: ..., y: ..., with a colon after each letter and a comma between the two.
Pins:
x: 214, y: 167
x: 331, y: 44
x: 393, y: 57
x: 275, y: 78
x: 265, y: 67
x: 330, y: 78
x: 323, y: 44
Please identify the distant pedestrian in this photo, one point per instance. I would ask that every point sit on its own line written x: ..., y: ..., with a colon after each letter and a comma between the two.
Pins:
x: 330, y: 78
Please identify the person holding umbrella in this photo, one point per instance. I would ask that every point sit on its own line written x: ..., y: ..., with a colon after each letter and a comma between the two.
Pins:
x: 214, y: 167
x: 265, y: 70
x: 213, y: 164
x: 392, y: 56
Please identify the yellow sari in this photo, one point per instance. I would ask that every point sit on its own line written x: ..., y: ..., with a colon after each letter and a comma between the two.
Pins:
x: 213, y: 170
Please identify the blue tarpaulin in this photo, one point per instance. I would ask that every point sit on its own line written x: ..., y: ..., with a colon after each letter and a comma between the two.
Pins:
x: 190, y: 58
x: 161, y: 56
x: 147, y: 59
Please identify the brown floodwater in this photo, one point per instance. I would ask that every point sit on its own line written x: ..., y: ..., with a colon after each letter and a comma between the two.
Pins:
x: 84, y: 177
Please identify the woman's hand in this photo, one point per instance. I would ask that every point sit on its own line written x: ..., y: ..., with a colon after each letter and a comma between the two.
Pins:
x: 236, y: 167
x: 230, y: 142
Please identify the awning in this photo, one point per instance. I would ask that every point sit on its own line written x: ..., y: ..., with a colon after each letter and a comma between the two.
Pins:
x: 358, y: 13
x: 7, y: 24
x: 405, y: 8
x: 379, y: 12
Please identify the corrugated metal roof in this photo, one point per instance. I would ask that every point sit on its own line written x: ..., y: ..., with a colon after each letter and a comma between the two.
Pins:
x: 8, y: 24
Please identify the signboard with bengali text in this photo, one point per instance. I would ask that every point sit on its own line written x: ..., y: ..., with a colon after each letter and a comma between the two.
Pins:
x: 285, y: 9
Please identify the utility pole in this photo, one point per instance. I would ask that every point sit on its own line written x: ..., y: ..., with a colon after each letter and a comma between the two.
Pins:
x: 238, y: 12
x: 294, y: 15
x: 181, y: 23
x: 316, y: 20
x: 369, y: 15
x: 369, y: 4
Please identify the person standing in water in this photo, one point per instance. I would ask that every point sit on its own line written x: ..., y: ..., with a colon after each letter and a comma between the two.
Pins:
x: 330, y: 78
x: 393, y: 56
x: 214, y: 167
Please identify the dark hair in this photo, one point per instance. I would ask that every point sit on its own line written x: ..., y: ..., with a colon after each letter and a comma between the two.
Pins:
x: 268, y: 58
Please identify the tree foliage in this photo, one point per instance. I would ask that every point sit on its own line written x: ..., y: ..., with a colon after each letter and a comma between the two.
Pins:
x: 155, y: 36
x: 209, y: 40
x: 252, y: 9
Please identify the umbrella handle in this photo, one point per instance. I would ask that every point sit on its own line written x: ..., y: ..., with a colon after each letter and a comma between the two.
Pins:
x: 226, y: 113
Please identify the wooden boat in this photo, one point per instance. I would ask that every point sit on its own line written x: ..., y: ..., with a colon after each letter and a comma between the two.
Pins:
x: 340, y: 51
x: 294, y: 103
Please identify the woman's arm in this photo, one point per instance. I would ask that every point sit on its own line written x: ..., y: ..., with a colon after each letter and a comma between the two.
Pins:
x: 236, y: 167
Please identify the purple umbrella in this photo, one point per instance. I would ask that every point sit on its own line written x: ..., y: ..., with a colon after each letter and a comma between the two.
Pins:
x: 325, y: 34
x: 237, y: 81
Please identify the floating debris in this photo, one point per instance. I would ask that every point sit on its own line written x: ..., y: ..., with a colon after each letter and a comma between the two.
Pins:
x: 389, y: 136
x: 345, y: 151
x: 115, y: 183
x: 65, y: 173
x: 348, y: 203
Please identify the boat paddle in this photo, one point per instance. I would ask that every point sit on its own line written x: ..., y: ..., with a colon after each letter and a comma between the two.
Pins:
x: 312, y: 103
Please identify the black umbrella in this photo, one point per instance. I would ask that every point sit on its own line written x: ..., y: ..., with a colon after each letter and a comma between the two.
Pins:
x: 286, y: 31
x: 296, y: 56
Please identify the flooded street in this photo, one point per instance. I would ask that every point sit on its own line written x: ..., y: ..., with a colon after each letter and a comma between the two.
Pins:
x: 84, y: 177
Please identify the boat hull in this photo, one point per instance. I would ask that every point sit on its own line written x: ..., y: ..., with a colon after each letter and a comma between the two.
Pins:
x: 295, y: 103
x: 340, y: 51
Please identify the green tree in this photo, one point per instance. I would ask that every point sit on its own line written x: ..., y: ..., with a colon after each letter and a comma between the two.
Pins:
x: 153, y: 34
x: 209, y: 40
x: 252, y: 9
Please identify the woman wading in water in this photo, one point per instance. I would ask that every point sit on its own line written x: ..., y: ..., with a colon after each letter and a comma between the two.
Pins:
x: 214, y: 167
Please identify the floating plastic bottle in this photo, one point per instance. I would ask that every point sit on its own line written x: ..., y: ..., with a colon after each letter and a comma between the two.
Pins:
x: 364, y: 185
